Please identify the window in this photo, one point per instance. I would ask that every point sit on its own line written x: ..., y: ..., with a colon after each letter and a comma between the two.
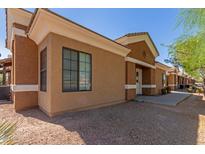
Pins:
x: 76, y: 70
x: 43, y: 70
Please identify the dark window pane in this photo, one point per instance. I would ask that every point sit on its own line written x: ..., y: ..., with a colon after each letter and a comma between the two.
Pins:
x: 66, y: 53
x: 74, y: 76
x: 82, y: 66
x: 74, y: 65
x: 74, y: 55
x: 66, y: 64
x: 76, y: 70
x: 82, y: 77
x: 87, y: 59
x: 66, y: 75
x: 43, y: 70
x: 82, y: 57
x: 66, y: 84
x: 87, y: 66
x: 88, y: 87
x: 82, y: 87
x: 43, y: 81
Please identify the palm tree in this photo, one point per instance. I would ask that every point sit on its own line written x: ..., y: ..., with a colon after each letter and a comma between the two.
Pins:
x: 6, y: 133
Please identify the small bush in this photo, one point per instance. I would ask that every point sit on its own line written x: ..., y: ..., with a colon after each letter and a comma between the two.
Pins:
x: 199, y: 90
x: 163, y: 91
x: 168, y: 89
x: 6, y: 133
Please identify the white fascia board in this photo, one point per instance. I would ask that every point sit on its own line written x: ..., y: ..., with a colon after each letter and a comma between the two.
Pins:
x: 172, y: 85
x: 46, y: 22
x: 149, y: 86
x: 130, y: 86
x: 160, y: 66
x: 16, y: 31
x: 16, y: 16
x: 23, y: 88
x: 136, y: 61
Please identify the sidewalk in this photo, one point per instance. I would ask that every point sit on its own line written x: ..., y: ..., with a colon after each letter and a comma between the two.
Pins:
x: 172, y: 99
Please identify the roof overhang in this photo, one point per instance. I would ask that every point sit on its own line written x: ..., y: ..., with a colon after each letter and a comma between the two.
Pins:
x: 45, y: 22
x: 125, y: 40
x: 136, y: 61
x: 13, y: 16
x: 162, y: 66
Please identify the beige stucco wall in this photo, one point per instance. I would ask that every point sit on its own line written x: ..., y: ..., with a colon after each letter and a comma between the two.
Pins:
x: 158, y: 79
x: 130, y: 80
x: 25, y: 72
x: 44, y: 98
x: 142, y: 52
x: 148, y: 78
x: 172, y: 80
x: 108, y: 78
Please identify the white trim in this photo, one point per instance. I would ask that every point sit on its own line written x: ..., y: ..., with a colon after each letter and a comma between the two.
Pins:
x: 172, y: 85
x: 162, y: 66
x: 22, y: 88
x: 130, y: 86
x: 173, y: 73
x: 16, y: 31
x: 16, y: 16
x: 46, y: 22
x: 136, y: 61
x: 149, y: 86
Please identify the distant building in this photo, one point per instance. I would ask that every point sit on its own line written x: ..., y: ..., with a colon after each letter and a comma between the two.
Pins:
x: 5, y: 71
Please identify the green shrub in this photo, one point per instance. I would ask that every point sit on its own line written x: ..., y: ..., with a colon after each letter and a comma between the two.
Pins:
x: 199, y: 90
x: 168, y: 89
x: 6, y: 133
x: 164, y: 91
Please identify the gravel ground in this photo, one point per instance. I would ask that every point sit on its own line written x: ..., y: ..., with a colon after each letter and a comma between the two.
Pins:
x: 130, y: 123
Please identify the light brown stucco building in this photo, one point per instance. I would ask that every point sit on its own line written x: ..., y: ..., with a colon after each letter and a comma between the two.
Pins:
x: 61, y: 66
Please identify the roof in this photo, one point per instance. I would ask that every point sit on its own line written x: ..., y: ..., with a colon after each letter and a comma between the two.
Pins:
x: 133, y: 34
x: 5, y: 60
x: 69, y: 29
x: 162, y: 66
x: 66, y: 19
x: 140, y: 34
x: 6, y: 14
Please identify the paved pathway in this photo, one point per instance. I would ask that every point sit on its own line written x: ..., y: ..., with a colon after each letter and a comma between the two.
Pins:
x: 172, y: 99
x: 5, y: 102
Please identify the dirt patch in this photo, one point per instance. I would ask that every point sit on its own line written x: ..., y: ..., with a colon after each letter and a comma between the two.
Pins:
x: 130, y: 123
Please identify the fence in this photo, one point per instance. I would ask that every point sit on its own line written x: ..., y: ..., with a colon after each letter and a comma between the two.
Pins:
x: 4, y: 92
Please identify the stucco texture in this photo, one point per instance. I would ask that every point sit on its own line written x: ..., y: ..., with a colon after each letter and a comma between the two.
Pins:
x: 108, y: 78
x: 159, y: 85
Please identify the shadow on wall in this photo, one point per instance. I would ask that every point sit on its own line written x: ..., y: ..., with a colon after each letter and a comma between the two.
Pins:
x: 131, y: 123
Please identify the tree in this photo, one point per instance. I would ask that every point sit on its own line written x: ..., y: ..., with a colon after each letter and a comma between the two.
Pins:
x: 188, y: 51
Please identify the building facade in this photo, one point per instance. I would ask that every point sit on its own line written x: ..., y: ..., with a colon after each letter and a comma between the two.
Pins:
x: 59, y: 65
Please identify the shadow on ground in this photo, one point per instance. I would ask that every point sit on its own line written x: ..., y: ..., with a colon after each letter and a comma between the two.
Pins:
x: 130, y: 123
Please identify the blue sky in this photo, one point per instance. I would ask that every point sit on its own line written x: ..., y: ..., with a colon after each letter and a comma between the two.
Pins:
x: 113, y: 23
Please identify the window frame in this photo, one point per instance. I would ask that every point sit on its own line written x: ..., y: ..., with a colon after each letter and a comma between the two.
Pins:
x: 78, y: 70
x: 43, y: 70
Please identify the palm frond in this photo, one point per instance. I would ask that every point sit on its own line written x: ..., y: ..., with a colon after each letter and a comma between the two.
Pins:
x: 6, y: 133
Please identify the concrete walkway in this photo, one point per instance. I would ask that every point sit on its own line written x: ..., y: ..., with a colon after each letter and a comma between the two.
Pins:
x: 172, y: 99
x: 5, y: 102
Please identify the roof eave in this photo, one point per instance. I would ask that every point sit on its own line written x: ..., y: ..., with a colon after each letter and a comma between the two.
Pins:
x: 35, y: 18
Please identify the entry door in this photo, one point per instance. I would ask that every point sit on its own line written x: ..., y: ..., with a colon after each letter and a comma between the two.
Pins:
x: 138, y: 81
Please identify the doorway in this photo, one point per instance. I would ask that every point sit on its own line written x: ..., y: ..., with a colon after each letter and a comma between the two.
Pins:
x: 138, y: 81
